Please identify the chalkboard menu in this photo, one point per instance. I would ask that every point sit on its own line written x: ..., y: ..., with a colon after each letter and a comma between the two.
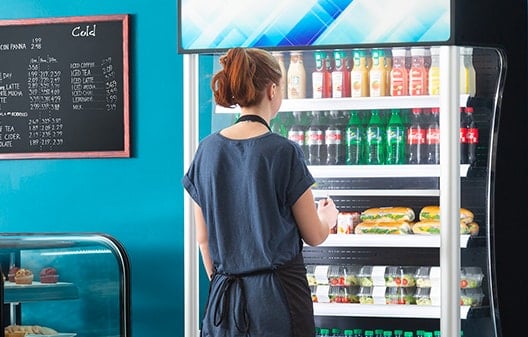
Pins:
x: 64, y: 87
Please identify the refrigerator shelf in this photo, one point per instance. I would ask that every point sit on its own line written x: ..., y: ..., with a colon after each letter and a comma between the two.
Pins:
x: 382, y: 310
x: 379, y: 171
x: 14, y: 293
x: 356, y: 103
x: 320, y: 193
x: 380, y: 240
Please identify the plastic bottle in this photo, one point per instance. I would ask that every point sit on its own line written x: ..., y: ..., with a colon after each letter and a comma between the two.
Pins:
x: 395, y: 139
x: 279, y: 56
x: 334, y: 140
x: 436, y: 333
x: 277, y: 126
x: 378, y: 74
x: 416, y: 138
x: 428, y: 334
x: 369, y: 333
x: 378, y: 333
x: 387, y: 333
x: 296, y: 81
x: 467, y: 72
x: 354, y: 139
x: 398, y: 333
x: 359, y: 75
x: 399, y: 75
x: 358, y: 333
x: 322, y: 76
x: 408, y: 334
x: 418, y: 75
x: 341, y: 75
x: 314, y: 138
x: 348, y: 333
x: 324, y: 332
x: 434, y: 72
x: 468, y: 136
x: 432, y: 137
x: 336, y: 332
x: 297, y: 130
x: 375, y: 140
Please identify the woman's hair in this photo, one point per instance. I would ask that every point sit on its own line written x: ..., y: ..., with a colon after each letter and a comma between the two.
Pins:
x: 246, y: 73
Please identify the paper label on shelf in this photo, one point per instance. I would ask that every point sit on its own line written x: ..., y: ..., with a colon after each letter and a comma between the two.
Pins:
x: 321, y: 274
x: 378, y: 275
x: 322, y: 293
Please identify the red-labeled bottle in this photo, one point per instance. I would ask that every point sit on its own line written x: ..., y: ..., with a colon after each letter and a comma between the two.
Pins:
x: 341, y: 75
x: 419, y: 74
x: 432, y: 137
x: 468, y: 136
x: 322, y: 76
x: 399, y: 75
x: 416, y: 138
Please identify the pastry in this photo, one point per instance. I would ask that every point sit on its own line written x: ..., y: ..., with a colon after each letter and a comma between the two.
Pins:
x: 12, y: 272
x: 24, y: 276
x: 49, y: 275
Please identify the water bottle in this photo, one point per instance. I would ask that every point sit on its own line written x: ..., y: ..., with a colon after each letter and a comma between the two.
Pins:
x: 375, y: 140
x: 395, y: 139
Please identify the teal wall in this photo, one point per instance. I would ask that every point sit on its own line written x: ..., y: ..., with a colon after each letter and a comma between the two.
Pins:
x: 137, y: 200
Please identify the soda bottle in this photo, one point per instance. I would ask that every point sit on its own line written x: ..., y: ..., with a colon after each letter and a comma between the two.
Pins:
x: 348, y: 333
x: 387, y: 333
x: 375, y: 140
x: 359, y: 75
x: 432, y: 137
x: 358, y: 332
x: 468, y: 136
x: 296, y: 80
x: 416, y: 138
x: 341, y: 75
x: 336, y: 332
x: 277, y: 125
x: 395, y: 139
x: 408, y: 334
x: 399, y: 75
x: 398, y: 333
x: 354, y: 140
x: 324, y: 332
x: 314, y: 138
x: 322, y: 76
x: 296, y: 131
x: 335, y: 147
x: 378, y: 333
x: 419, y: 75
x: 369, y: 333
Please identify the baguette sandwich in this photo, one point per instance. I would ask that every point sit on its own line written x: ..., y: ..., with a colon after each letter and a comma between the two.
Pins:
x: 432, y: 227
x: 385, y: 227
x: 432, y: 212
x: 388, y: 214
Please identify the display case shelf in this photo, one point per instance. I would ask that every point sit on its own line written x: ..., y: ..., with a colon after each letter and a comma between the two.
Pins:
x: 356, y: 103
x: 15, y: 293
x: 382, y: 310
x: 380, y: 240
x: 379, y: 171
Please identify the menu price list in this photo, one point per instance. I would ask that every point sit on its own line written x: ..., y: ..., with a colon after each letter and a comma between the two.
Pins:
x: 68, y: 99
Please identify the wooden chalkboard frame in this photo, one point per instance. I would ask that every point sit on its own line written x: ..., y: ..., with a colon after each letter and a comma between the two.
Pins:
x: 120, y: 100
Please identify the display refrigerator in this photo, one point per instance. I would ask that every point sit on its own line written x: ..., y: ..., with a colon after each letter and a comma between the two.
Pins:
x: 369, y: 278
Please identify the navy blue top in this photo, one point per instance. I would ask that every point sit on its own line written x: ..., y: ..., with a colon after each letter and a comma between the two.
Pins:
x: 246, y: 189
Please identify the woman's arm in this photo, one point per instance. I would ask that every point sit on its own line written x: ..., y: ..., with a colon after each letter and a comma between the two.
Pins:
x: 201, y: 238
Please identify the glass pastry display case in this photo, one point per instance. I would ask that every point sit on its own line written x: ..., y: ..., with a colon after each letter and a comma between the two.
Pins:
x: 64, y: 284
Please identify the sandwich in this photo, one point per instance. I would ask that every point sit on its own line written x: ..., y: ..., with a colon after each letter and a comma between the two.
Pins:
x: 432, y: 212
x: 432, y: 227
x: 385, y: 227
x: 388, y: 214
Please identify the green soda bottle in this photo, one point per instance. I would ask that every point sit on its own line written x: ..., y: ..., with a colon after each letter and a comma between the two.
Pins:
x: 354, y: 135
x: 395, y: 139
x: 375, y: 140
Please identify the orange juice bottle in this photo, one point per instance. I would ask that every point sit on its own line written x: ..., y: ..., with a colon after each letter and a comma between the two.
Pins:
x: 378, y: 74
x: 434, y: 72
x: 359, y: 76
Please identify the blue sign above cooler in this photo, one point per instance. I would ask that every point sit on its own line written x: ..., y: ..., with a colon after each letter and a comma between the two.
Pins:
x: 208, y: 26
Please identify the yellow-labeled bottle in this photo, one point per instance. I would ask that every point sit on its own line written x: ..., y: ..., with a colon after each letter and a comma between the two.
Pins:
x: 467, y: 72
x: 359, y: 76
x: 434, y: 72
x: 378, y: 74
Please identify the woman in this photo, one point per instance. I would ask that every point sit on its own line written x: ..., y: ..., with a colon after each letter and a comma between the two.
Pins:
x: 254, y: 208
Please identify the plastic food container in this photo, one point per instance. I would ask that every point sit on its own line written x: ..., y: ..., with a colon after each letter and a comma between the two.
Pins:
x: 427, y: 277
x: 400, y: 295
x: 471, y: 297
x: 371, y: 295
x: 370, y: 276
x: 422, y: 296
x: 334, y: 294
x: 471, y: 277
x: 400, y: 276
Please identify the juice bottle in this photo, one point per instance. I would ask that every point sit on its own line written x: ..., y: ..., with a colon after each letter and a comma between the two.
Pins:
x: 418, y: 76
x: 296, y: 76
x: 280, y: 58
x: 467, y: 72
x: 359, y: 75
x: 434, y: 72
x: 322, y: 77
x: 399, y: 75
x: 341, y: 75
x: 378, y: 74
